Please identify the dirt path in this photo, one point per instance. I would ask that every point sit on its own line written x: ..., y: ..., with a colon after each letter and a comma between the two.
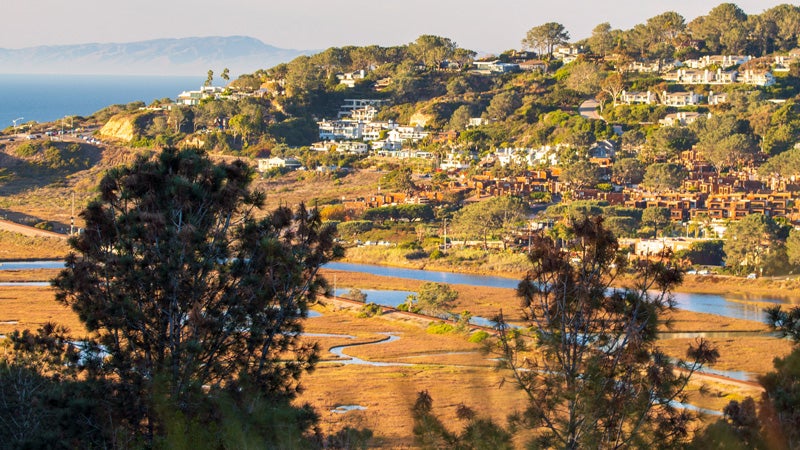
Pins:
x: 13, y: 227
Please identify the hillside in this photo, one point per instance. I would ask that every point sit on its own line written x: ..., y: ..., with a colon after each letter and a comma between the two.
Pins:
x: 186, y: 56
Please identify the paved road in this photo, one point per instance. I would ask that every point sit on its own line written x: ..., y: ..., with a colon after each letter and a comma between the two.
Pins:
x: 588, y: 109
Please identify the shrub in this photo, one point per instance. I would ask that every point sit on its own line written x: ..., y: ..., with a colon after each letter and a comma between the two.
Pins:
x: 44, y: 226
x: 478, y: 337
x: 416, y: 254
x: 409, y: 245
x: 26, y: 150
x: 436, y: 254
x: 355, y: 294
x: 440, y: 328
x: 370, y: 310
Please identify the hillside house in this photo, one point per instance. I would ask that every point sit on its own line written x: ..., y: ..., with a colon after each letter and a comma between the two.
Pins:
x: 340, y: 129
x: 679, y: 99
x: 638, y: 97
x: 266, y: 164
x: 349, y: 79
x: 717, y: 99
x: 757, y: 77
x: 681, y: 118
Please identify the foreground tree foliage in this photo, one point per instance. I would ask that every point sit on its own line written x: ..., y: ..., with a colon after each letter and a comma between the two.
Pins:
x: 479, y: 433
x: 194, y: 305
x: 774, y: 421
x: 588, y: 361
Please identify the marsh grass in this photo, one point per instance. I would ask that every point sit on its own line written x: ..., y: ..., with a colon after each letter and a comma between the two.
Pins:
x: 15, y: 246
x: 449, y: 366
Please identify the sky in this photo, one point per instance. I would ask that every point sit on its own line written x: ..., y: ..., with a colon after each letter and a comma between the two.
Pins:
x: 484, y: 26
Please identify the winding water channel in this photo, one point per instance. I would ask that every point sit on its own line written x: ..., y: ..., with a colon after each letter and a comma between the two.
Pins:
x: 726, y: 306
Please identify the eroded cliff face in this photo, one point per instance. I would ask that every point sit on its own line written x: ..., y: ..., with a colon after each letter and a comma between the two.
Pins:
x: 129, y: 126
x: 121, y: 127
x: 421, y: 118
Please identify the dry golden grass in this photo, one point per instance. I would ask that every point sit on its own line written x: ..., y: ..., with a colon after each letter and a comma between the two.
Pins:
x: 296, y: 187
x: 28, y: 275
x: 688, y: 321
x: 748, y: 354
x: 14, y: 246
x: 452, y: 369
x: 29, y: 307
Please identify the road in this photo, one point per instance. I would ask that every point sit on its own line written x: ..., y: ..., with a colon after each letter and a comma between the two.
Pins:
x: 588, y: 109
x: 7, y: 225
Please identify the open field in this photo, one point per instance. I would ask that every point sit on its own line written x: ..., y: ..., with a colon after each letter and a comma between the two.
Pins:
x: 14, y: 246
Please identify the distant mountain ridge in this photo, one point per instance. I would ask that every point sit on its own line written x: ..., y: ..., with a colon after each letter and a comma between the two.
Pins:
x: 181, y: 56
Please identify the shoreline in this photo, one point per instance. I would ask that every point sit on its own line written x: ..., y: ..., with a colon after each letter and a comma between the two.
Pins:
x: 787, y: 290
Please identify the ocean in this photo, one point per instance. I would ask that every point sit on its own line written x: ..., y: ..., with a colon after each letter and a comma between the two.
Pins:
x: 46, y: 98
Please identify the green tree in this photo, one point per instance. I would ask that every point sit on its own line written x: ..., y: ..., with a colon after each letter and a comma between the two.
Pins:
x: 656, y: 217
x: 752, y: 242
x: 187, y: 292
x: 584, y: 77
x: 581, y: 174
x: 460, y: 118
x: 782, y: 392
x: 793, y: 247
x: 666, y: 143
x: 707, y: 253
x: 432, y: 50
x: 723, y: 30
x: 503, y: 105
x: 478, y: 433
x: 663, y: 176
x: 226, y: 74
x: 544, y: 38
x: 355, y: 294
x: 597, y: 379
x: 613, y: 85
x: 725, y: 141
x: 495, y: 216
x: 627, y: 171
x: 602, y: 39
x: 399, y: 180
x: 209, y: 78
x: 436, y: 299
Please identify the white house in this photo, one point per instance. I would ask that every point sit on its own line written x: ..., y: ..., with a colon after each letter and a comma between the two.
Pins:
x: 638, y: 97
x: 494, y: 66
x: 340, y: 129
x: 372, y: 130
x: 477, y: 121
x: 720, y: 61
x: 386, y: 145
x: 265, y: 164
x: 532, y: 65
x: 455, y: 161
x: 717, y: 99
x: 681, y: 118
x: 407, y: 133
x: 679, y: 98
x: 352, y: 147
x: 757, y: 77
x: 351, y: 104
x: 192, y: 98
x: 349, y: 79
x: 365, y: 114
